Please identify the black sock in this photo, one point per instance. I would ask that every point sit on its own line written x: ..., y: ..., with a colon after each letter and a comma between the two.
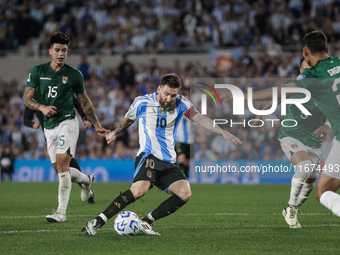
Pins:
x: 74, y: 163
x: 167, y: 207
x: 118, y: 204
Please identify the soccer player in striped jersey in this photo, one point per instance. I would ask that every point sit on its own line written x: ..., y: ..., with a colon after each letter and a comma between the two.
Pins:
x: 159, y: 114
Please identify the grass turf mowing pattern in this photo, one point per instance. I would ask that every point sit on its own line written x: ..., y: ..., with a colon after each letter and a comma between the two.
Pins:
x: 219, y: 219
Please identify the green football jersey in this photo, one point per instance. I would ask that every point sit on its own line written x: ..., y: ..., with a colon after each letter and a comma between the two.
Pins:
x: 56, y: 89
x: 306, y: 125
x: 325, y: 90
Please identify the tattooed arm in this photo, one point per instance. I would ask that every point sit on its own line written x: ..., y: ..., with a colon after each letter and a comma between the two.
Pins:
x: 88, y: 108
x: 124, y: 124
x: 34, y: 105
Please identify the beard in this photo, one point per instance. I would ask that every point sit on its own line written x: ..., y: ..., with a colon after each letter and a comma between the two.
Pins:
x: 163, y: 103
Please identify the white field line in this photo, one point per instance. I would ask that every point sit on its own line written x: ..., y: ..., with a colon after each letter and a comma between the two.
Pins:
x: 170, y: 227
x: 184, y: 214
x: 248, y: 214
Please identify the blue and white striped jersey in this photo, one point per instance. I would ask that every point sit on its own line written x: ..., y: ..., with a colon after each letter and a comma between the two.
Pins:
x: 158, y: 125
x: 185, y: 132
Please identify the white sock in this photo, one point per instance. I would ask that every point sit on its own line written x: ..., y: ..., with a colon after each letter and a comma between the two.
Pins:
x: 331, y: 200
x: 295, y: 189
x: 298, y: 180
x: 79, y: 177
x: 304, y: 193
x: 102, y: 215
x: 64, y: 191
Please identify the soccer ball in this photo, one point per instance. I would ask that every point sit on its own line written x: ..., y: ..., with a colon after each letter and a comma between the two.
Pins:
x: 127, y: 224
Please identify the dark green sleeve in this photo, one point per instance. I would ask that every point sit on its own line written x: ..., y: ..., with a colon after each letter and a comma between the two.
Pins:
x: 33, y: 78
x: 288, y: 81
x: 79, y: 86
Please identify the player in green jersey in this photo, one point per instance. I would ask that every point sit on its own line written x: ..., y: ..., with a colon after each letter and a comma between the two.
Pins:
x: 322, y: 80
x: 56, y: 83
x: 302, y: 146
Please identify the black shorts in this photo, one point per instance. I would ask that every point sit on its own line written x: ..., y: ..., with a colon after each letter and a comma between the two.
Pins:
x: 160, y: 173
x: 183, y: 148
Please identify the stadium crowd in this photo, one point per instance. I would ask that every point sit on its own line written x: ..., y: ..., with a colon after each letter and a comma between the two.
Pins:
x: 113, y: 26
x: 108, y: 27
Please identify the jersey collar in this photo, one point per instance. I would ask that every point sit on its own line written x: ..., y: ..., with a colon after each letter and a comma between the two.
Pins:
x: 320, y: 61
x: 49, y: 65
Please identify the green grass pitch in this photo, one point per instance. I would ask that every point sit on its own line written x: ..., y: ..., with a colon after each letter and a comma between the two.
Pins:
x: 219, y: 219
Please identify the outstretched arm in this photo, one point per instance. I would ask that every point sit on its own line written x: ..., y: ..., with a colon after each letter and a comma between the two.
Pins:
x: 208, y: 124
x: 124, y: 124
x: 34, y: 105
x: 82, y: 114
x: 88, y: 108
x: 266, y: 94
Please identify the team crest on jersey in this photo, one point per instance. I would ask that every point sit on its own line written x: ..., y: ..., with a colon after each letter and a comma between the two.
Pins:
x: 161, y: 110
x: 294, y: 145
x: 300, y: 77
x: 65, y: 79
x: 149, y: 173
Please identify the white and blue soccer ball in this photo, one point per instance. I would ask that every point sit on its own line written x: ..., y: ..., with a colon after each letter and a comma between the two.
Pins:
x: 127, y: 224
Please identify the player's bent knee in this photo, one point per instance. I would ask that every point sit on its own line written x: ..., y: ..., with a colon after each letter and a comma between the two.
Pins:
x: 138, y: 194
x: 318, y: 195
x: 139, y: 189
x: 187, y: 195
x: 184, y: 194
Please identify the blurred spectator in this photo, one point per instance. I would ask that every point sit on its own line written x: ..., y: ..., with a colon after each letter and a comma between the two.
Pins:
x: 84, y: 67
x: 27, y: 27
x: 170, y: 38
x: 205, y: 153
x: 69, y: 27
x: 120, y: 151
x: 138, y: 40
x: 7, y: 160
x: 50, y: 26
x: 132, y: 26
x: 126, y: 72
x: 97, y: 70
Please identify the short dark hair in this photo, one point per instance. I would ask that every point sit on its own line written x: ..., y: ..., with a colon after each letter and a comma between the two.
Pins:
x: 59, y: 37
x: 315, y: 41
x: 172, y: 80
